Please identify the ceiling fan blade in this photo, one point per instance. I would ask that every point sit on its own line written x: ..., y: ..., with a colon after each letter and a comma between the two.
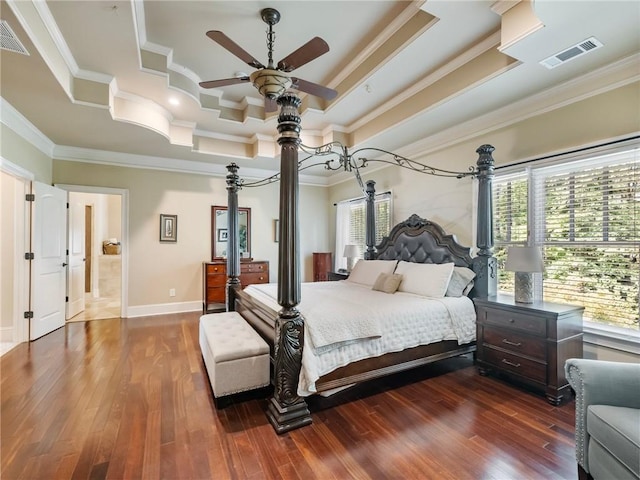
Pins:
x: 313, y: 88
x: 223, y: 82
x: 234, y: 48
x: 309, y: 51
x: 270, y: 105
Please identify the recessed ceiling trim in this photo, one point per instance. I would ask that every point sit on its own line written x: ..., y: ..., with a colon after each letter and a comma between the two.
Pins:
x: 475, y: 51
x: 56, y: 36
x: 607, y: 78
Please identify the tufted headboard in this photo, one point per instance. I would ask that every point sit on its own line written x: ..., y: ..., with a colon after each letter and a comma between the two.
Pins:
x: 422, y: 241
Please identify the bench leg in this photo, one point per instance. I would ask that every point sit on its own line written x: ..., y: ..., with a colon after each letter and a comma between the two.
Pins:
x: 222, y: 402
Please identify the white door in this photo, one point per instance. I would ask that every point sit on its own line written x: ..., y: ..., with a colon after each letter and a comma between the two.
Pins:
x: 75, y: 269
x: 48, y: 268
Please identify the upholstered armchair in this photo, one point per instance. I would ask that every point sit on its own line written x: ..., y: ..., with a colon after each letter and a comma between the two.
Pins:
x: 607, y: 418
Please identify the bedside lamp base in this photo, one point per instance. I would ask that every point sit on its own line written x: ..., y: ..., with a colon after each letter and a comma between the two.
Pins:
x: 524, y: 287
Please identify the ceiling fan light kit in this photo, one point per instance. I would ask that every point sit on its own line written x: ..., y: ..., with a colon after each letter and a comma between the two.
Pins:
x: 272, y: 81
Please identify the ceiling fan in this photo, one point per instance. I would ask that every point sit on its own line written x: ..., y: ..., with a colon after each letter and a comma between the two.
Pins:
x: 272, y: 80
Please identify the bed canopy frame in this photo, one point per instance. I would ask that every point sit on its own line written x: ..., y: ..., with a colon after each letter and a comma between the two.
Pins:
x: 287, y: 410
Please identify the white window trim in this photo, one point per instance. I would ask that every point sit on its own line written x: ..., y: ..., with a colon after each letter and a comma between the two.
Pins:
x: 624, y: 340
x: 615, y: 338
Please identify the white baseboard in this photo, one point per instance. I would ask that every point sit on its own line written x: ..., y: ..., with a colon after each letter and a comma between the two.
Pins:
x: 163, y: 308
x: 6, y: 334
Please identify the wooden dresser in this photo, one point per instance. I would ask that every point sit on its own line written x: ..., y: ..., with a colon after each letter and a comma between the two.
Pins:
x: 321, y: 266
x: 529, y: 342
x: 214, y: 281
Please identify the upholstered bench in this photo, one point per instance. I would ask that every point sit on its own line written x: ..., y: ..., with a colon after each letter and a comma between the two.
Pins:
x: 236, y: 357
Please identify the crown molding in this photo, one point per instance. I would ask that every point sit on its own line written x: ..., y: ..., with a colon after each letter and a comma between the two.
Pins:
x: 17, y: 122
x: 129, y: 160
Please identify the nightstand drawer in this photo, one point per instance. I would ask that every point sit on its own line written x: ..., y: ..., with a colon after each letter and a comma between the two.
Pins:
x: 515, y: 342
x: 509, y: 319
x: 513, y: 363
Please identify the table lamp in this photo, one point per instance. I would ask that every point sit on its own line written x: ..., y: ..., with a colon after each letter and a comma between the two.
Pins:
x: 524, y: 261
x: 351, y: 252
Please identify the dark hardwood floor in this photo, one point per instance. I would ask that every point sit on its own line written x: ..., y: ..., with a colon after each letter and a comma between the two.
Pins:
x: 129, y: 399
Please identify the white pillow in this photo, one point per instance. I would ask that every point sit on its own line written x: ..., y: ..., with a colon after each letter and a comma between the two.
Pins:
x: 459, y: 282
x: 365, y: 272
x: 425, y: 279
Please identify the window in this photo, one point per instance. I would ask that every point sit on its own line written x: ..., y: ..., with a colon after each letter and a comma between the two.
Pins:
x: 351, y: 221
x: 585, y: 214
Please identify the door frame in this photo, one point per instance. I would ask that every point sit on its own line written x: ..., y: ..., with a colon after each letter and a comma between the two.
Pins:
x: 22, y: 241
x: 124, y: 225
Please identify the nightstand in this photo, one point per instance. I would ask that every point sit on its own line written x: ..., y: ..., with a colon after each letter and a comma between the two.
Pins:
x: 528, y: 343
x: 333, y: 276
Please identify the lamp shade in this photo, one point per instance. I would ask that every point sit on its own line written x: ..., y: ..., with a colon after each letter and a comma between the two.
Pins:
x: 524, y: 259
x: 351, y: 251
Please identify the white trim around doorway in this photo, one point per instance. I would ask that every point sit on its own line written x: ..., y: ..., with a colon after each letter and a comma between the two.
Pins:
x: 124, y: 219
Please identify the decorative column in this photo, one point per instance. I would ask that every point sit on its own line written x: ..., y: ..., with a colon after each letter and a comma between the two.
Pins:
x: 370, y: 206
x: 485, y: 264
x: 287, y: 410
x: 233, y: 237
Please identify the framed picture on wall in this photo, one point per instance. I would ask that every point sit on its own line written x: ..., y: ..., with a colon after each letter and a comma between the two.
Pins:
x: 168, y: 228
x: 223, y: 234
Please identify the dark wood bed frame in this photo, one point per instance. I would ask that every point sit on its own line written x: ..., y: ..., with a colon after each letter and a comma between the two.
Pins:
x: 415, y: 239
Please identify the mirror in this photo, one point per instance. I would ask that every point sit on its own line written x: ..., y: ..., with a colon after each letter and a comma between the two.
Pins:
x: 219, y: 233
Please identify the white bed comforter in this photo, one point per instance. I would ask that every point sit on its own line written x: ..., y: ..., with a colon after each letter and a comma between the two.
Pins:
x: 382, y: 323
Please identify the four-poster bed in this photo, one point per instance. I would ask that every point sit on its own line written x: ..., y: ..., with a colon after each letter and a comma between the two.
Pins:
x: 414, y: 240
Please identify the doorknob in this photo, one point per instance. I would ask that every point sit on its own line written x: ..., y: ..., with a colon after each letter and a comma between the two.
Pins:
x: 64, y: 264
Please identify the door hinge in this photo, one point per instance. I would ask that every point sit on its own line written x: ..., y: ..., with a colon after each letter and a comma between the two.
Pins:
x: 28, y: 256
x: 66, y: 299
x: 67, y: 204
x: 28, y: 314
x: 30, y: 197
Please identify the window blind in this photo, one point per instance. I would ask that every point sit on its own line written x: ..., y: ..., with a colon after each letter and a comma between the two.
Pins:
x: 352, y: 216
x: 585, y: 214
x: 588, y: 222
x: 510, y: 199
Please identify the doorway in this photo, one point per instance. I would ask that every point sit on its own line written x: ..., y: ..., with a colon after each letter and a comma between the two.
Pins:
x: 105, y: 237
x: 15, y: 184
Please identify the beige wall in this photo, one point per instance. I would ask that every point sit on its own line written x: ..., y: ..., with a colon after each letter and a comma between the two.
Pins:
x: 22, y: 153
x: 448, y: 201
x: 156, y: 267
x: 7, y: 251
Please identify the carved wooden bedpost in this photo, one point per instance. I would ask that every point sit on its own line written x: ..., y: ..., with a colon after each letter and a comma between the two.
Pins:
x: 370, y: 192
x: 485, y: 264
x: 286, y: 409
x: 233, y: 237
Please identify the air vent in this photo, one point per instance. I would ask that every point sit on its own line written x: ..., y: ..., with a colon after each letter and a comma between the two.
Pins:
x: 570, y: 53
x: 9, y: 41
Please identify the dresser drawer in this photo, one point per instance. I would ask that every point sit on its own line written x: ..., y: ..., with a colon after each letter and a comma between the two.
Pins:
x: 217, y: 269
x: 254, y: 267
x: 524, y: 367
x: 515, y: 342
x: 251, y: 278
x: 504, y: 318
x: 216, y: 294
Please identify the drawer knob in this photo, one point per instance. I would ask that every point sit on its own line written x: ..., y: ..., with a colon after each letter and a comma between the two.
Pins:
x: 513, y: 344
x: 504, y: 360
x: 261, y: 278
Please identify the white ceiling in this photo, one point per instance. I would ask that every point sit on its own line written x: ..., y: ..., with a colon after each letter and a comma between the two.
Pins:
x: 100, y: 76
